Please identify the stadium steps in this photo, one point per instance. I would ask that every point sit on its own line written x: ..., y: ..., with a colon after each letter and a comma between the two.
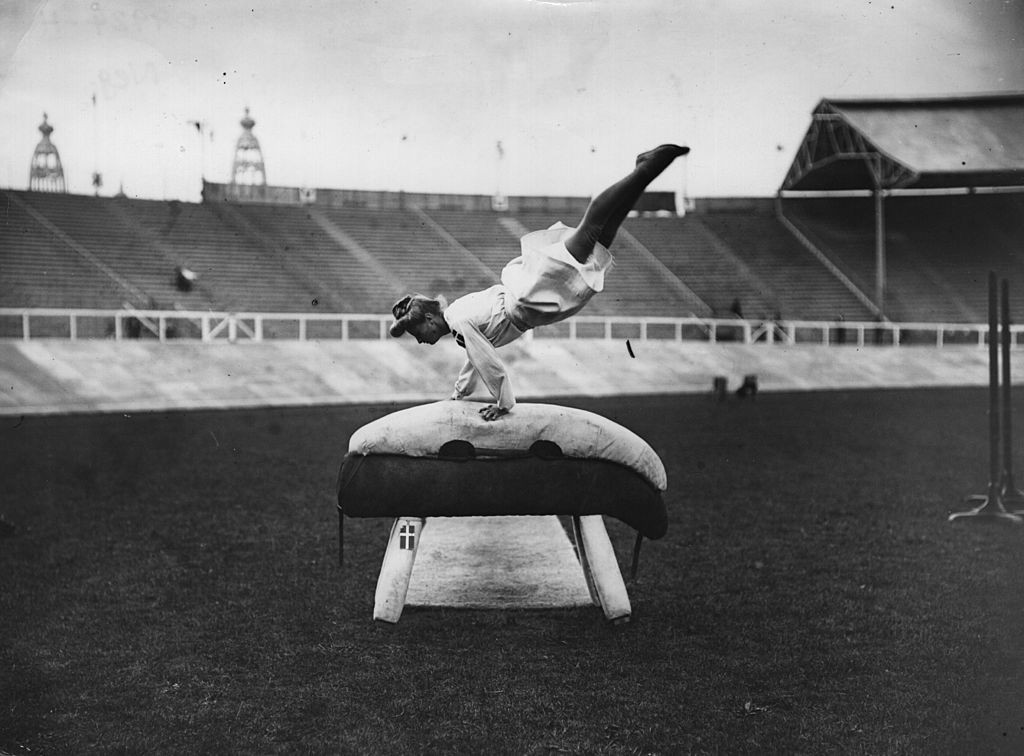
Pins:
x: 299, y: 284
x: 705, y: 264
x: 1004, y: 219
x: 201, y: 297
x: 482, y: 234
x: 957, y: 239
x: 848, y: 243
x: 698, y: 307
x: 408, y: 246
x: 925, y: 278
x: 375, y: 285
x: 294, y: 234
x: 70, y: 272
x: 468, y: 257
x: 81, y: 251
x: 803, y: 288
x: 38, y: 269
x: 89, y: 221
x: 223, y: 257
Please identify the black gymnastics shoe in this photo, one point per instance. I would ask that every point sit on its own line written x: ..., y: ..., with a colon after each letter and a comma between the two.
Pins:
x: 670, y: 151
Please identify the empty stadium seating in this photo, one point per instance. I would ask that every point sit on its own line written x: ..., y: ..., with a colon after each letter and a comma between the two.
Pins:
x: 696, y: 257
x: 939, y: 249
x: 489, y: 236
x: 86, y: 252
x: 415, y: 254
x: 224, y: 258
x: 795, y: 282
x: 38, y: 269
x: 341, y: 282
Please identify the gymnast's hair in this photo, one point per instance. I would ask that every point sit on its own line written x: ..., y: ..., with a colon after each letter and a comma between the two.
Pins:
x: 412, y: 309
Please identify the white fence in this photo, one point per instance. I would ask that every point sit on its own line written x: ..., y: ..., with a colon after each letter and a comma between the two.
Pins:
x: 127, y: 323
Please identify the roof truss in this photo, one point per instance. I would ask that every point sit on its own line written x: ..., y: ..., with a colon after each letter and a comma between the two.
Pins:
x: 831, y: 140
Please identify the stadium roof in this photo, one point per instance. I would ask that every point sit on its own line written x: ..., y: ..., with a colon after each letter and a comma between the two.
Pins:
x: 930, y: 143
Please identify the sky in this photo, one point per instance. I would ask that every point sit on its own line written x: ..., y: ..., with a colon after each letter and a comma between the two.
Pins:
x: 418, y: 95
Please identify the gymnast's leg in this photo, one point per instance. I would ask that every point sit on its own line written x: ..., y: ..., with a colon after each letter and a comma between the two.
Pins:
x: 608, y: 209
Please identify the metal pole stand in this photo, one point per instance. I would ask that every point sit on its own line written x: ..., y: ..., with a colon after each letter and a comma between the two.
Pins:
x: 990, y: 505
x: 1008, y: 491
x: 1010, y: 495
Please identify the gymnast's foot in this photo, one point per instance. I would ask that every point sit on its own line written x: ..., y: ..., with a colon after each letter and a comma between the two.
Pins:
x: 663, y: 154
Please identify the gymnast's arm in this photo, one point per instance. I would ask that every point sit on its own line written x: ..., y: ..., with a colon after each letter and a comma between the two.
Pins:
x: 489, y: 368
x: 466, y: 382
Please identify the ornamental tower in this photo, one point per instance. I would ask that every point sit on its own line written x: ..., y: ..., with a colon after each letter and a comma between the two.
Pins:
x: 46, y: 173
x: 247, y: 169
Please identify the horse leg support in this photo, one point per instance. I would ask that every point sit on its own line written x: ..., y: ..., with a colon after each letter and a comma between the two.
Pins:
x: 601, y: 568
x: 393, y: 582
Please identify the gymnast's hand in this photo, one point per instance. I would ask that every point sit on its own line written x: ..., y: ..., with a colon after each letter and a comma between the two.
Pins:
x: 492, y: 412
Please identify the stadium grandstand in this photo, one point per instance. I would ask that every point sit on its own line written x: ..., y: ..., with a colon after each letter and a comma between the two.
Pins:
x: 892, y: 211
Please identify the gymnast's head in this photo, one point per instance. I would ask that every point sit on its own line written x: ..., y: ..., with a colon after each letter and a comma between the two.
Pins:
x: 421, y: 316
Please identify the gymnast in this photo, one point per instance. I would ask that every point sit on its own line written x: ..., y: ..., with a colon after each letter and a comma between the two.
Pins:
x: 559, y: 270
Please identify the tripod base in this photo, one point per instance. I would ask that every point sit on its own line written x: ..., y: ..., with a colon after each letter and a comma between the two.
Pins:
x: 1011, y: 496
x: 1015, y: 501
x: 989, y: 507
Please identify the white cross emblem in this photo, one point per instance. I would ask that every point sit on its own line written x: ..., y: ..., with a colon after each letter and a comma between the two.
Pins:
x: 407, y: 536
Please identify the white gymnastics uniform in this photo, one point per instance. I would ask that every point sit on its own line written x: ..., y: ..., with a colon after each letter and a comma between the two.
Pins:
x: 544, y: 285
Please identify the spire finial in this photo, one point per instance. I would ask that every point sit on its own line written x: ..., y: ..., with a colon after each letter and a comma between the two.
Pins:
x: 248, y: 164
x: 46, y: 174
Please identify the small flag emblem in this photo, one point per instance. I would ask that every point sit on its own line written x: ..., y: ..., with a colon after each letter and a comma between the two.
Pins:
x: 407, y: 536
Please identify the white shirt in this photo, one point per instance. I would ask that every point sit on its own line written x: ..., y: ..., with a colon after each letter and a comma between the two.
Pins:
x: 545, y: 284
x: 482, y: 323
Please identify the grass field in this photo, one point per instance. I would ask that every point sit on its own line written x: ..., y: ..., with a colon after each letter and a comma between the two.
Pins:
x: 172, y: 586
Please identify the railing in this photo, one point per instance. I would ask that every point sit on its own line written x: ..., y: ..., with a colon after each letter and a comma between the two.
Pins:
x: 128, y: 323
